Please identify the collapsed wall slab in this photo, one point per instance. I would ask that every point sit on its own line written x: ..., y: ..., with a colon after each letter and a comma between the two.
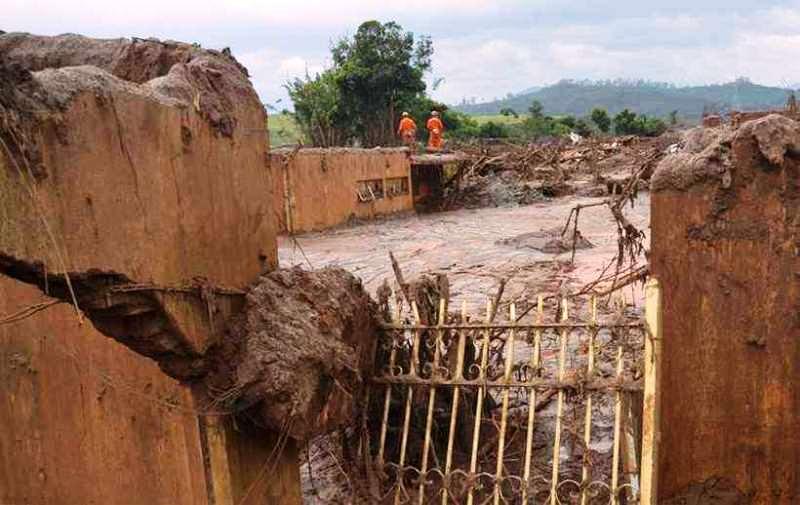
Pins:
x: 315, y: 189
x: 725, y: 222
x: 142, y: 162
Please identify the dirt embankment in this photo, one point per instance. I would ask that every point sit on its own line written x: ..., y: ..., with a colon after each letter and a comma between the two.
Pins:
x: 41, y: 76
x: 139, y: 167
x: 708, y: 156
x: 141, y: 157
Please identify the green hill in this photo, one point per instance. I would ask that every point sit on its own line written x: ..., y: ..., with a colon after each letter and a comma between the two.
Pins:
x: 654, y: 99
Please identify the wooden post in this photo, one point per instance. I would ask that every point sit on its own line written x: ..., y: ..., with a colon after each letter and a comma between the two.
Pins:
x: 650, y: 417
x: 218, y: 471
x: 287, y: 194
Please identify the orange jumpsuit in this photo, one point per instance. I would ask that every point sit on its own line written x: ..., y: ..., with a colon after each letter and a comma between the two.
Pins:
x: 435, y: 133
x: 407, y: 130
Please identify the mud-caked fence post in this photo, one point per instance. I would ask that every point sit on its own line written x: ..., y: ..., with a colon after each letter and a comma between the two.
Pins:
x: 725, y: 218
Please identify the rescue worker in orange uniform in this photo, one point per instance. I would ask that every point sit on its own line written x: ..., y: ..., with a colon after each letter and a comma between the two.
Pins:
x: 407, y: 130
x: 435, y: 132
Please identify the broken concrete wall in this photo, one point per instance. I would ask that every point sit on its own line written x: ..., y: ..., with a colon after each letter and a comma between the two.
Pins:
x: 315, y: 189
x: 427, y: 184
x: 725, y: 223
x: 144, y: 161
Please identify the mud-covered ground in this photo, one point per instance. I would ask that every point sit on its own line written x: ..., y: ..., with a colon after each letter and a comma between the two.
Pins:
x: 475, y: 248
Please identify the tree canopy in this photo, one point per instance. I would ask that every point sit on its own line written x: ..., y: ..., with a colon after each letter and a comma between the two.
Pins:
x: 629, y: 123
x: 377, y: 72
x: 601, y: 118
x: 316, y: 109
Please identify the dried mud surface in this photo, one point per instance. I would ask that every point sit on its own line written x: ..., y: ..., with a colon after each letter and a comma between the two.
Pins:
x: 305, y: 341
x: 211, y: 81
x: 707, y: 153
x: 714, y: 491
x: 41, y: 76
x: 474, y: 248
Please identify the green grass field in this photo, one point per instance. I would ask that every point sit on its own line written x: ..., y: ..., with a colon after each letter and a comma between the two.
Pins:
x: 498, y: 119
x: 284, y: 131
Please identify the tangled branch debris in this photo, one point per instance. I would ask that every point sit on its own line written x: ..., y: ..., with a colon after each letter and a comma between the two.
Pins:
x: 614, y: 169
x: 503, y: 173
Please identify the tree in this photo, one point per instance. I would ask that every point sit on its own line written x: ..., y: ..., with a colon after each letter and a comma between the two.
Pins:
x: 628, y: 123
x: 791, y: 103
x: 379, y: 68
x: 650, y: 126
x: 316, y: 109
x: 508, y: 111
x: 582, y: 128
x: 601, y: 118
x: 374, y: 73
x: 492, y: 130
x: 625, y: 123
x: 568, y: 121
x: 536, y: 109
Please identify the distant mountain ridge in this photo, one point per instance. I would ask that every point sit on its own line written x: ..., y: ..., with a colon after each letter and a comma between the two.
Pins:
x: 651, y: 98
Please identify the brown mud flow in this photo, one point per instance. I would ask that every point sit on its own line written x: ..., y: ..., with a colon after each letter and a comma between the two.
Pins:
x: 135, y: 183
x: 725, y: 247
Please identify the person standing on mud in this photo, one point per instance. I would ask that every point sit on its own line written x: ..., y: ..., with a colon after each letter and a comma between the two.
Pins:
x: 407, y: 130
x: 435, y: 132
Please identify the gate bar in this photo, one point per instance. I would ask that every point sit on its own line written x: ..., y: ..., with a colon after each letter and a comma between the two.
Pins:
x: 476, y: 435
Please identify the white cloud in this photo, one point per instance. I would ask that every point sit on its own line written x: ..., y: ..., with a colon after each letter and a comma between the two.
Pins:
x: 270, y: 69
x: 213, y: 14
x: 483, y: 48
x: 685, y: 49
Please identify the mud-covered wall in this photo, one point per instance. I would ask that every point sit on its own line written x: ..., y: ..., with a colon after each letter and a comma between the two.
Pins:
x: 158, y: 174
x: 323, y: 184
x: 86, y: 420
x: 725, y: 221
x: 133, y: 185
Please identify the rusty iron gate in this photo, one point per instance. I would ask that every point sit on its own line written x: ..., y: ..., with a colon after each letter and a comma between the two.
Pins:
x: 532, y: 406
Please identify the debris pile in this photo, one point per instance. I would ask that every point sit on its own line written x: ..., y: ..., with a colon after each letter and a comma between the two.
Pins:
x: 551, y: 241
x: 504, y: 174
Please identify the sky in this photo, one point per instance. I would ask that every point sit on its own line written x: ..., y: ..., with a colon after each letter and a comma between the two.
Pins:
x: 483, y: 49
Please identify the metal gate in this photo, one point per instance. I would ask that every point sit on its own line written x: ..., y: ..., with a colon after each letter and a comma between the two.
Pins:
x: 543, y: 404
